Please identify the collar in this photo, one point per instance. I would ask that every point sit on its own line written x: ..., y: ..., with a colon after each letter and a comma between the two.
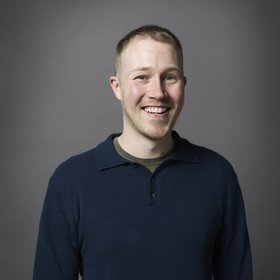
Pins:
x: 184, y: 150
x: 107, y: 157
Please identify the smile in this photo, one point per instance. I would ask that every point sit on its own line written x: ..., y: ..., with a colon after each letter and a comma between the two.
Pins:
x: 156, y: 110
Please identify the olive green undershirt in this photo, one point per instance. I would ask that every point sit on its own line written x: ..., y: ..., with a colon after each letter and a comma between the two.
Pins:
x: 150, y: 163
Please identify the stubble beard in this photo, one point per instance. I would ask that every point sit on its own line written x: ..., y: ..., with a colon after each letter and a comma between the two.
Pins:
x: 154, y: 130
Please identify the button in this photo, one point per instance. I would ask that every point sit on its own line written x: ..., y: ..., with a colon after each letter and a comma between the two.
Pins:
x: 153, y: 195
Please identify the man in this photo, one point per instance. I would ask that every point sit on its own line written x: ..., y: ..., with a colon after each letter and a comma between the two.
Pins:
x: 145, y: 204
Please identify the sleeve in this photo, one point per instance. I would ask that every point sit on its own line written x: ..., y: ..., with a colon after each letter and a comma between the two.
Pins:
x: 57, y: 253
x: 232, y: 257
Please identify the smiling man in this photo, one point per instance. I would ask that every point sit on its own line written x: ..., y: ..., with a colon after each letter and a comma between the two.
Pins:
x: 145, y: 204
x: 150, y: 85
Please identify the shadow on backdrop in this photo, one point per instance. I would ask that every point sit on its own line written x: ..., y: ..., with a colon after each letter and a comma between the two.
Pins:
x: 55, y: 102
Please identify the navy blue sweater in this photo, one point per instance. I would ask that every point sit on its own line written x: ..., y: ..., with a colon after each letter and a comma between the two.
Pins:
x: 109, y: 219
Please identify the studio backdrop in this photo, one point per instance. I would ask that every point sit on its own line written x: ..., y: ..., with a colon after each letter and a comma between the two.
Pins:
x: 56, y: 58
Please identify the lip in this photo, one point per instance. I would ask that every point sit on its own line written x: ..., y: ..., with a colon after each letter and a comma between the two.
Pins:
x: 156, y: 110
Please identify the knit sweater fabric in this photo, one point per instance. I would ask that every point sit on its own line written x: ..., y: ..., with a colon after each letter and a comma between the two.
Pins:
x: 111, y: 219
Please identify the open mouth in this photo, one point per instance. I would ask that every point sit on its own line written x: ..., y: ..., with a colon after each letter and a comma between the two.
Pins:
x: 156, y: 110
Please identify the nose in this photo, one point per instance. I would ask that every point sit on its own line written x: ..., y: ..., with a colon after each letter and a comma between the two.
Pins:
x: 156, y: 89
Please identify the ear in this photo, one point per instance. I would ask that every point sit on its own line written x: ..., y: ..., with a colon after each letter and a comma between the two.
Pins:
x: 115, y: 85
x: 185, y: 80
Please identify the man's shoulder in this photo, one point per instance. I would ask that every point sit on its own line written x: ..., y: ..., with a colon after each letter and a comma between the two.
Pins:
x: 84, y: 163
x: 205, y: 153
x: 204, y: 156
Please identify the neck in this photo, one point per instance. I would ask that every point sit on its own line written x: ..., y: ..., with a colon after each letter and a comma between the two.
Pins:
x: 143, y: 147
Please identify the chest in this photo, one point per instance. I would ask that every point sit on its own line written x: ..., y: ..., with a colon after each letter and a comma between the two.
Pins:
x: 172, y: 209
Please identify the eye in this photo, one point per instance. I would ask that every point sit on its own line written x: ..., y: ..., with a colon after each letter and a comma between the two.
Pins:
x: 170, y: 78
x: 141, y: 77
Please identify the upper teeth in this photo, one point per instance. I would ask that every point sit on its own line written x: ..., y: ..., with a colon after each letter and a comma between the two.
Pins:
x: 156, y: 110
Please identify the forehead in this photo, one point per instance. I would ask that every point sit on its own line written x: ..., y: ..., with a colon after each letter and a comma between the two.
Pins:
x: 148, y: 51
x: 145, y: 44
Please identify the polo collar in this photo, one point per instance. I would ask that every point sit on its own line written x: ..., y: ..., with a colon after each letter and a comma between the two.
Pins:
x: 107, y: 156
x: 184, y: 150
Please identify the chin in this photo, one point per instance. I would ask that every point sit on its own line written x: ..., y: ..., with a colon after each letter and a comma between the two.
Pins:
x: 156, y: 133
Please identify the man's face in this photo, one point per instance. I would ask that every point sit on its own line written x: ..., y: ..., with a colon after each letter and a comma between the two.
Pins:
x: 150, y: 85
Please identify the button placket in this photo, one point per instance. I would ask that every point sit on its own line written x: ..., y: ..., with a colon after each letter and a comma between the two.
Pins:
x: 153, y: 196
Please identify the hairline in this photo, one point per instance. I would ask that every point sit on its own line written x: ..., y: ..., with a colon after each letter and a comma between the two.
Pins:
x: 153, y: 32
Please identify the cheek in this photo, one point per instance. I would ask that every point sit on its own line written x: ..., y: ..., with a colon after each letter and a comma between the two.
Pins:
x: 177, y: 94
x: 134, y: 93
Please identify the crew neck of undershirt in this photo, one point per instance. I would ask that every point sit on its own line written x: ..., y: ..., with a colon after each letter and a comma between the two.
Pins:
x: 149, y: 163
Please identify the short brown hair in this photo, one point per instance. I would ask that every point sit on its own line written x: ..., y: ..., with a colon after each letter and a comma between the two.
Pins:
x: 154, y: 32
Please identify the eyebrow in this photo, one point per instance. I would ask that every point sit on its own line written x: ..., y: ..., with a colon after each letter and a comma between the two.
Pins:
x: 172, y: 68
x: 139, y: 69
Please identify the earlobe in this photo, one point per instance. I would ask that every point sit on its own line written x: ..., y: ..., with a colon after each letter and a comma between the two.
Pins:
x: 115, y: 85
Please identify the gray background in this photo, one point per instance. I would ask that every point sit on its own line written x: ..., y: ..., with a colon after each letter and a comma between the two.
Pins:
x: 56, y: 57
